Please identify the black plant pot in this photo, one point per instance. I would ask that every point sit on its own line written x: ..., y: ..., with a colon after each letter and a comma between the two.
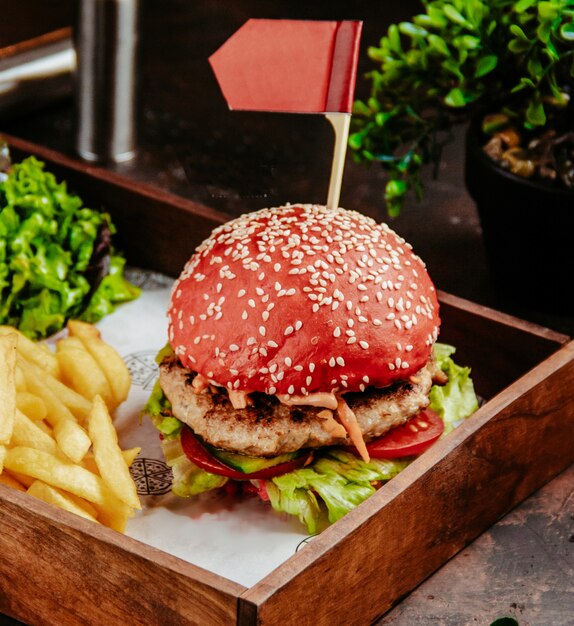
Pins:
x: 528, y: 231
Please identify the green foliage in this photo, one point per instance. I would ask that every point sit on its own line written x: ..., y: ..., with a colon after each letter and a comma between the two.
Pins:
x: 455, y: 58
x: 49, y: 244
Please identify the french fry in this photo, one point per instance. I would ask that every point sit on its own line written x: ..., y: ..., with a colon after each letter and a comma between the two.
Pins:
x: 9, y: 481
x: 78, y: 406
x: 20, y: 381
x: 88, y: 507
x: 115, y: 515
x: 33, y: 352
x: 108, y: 455
x: 110, y: 362
x: 72, y: 439
x: 45, y: 427
x: 7, y: 385
x: 58, y: 473
x: 28, y: 434
x: 57, y: 497
x: 81, y: 371
x: 36, y: 383
x: 21, y: 478
x: 89, y: 462
x: 130, y: 455
x: 33, y: 406
x: 44, y: 400
x: 74, y: 401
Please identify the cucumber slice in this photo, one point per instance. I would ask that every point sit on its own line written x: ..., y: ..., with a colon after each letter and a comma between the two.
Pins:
x: 250, y: 464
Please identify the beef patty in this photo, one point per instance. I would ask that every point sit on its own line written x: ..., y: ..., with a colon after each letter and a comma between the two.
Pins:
x: 267, y: 427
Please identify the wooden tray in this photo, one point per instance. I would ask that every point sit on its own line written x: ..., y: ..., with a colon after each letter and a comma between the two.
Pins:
x: 59, y: 569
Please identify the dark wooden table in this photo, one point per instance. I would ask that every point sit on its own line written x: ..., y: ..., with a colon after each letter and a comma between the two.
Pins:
x: 192, y: 145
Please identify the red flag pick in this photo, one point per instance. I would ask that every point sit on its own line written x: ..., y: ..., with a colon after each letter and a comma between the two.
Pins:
x: 289, y: 65
x: 294, y: 66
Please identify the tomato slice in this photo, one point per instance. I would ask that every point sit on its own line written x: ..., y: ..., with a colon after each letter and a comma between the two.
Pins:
x: 410, y: 439
x: 197, y: 453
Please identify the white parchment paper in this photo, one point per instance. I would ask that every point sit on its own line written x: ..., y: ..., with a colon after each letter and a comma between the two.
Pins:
x: 240, y: 540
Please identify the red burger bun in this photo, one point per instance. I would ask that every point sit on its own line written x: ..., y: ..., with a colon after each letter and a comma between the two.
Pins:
x: 302, y: 299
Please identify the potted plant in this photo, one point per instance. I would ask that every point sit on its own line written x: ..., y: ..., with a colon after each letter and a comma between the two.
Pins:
x: 508, y: 67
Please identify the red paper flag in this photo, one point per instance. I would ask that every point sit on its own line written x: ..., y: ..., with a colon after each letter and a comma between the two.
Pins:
x: 290, y: 66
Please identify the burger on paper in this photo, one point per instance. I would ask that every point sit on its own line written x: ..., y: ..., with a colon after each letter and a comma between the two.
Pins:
x: 302, y: 363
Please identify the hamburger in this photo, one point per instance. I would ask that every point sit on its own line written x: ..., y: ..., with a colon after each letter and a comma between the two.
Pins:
x: 302, y: 361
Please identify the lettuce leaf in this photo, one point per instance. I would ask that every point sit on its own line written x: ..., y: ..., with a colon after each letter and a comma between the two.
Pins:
x: 56, y: 258
x: 337, y: 481
x: 456, y: 400
x: 188, y: 479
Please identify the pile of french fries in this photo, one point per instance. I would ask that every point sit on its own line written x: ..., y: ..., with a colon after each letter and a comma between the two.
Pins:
x: 57, y: 439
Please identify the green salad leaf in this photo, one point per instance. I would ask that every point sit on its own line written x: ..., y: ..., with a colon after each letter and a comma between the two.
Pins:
x: 338, y: 479
x: 56, y: 258
x: 456, y: 400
